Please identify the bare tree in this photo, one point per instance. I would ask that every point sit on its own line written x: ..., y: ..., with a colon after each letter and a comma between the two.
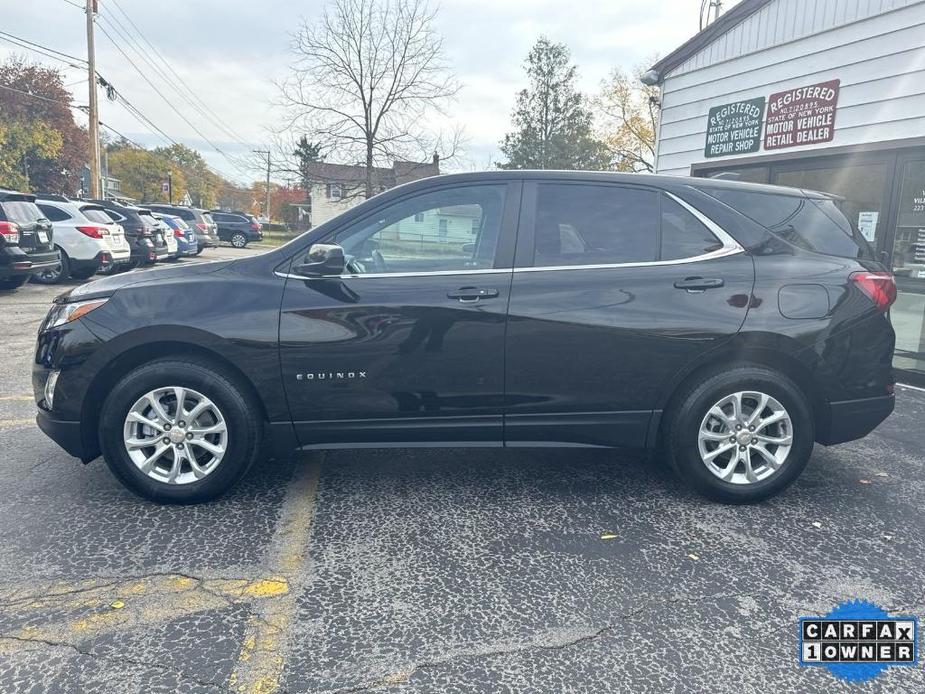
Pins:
x: 627, y: 114
x: 365, y: 76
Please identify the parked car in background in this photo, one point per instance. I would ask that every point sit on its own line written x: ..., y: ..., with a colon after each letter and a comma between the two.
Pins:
x: 730, y: 326
x: 236, y: 229
x: 211, y: 225
x: 166, y: 231
x: 15, y: 266
x: 84, y: 246
x: 201, y: 224
x: 186, y: 239
x: 99, y: 215
x: 22, y: 219
x: 145, y: 237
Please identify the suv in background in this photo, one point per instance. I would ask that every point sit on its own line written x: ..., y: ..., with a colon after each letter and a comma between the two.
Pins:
x: 236, y: 229
x: 201, y: 224
x: 20, y: 217
x: 728, y: 326
x: 85, y: 246
x: 143, y: 232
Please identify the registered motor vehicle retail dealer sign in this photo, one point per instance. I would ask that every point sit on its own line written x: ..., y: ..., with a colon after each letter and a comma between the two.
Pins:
x: 734, y: 128
x: 801, y: 116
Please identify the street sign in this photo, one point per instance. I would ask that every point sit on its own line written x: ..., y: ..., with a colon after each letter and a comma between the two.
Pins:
x: 734, y: 128
x: 801, y: 116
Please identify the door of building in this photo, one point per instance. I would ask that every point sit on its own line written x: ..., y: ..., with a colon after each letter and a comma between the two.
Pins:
x: 908, y: 313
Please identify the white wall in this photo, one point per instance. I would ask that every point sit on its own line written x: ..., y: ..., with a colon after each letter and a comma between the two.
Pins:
x: 875, y: 47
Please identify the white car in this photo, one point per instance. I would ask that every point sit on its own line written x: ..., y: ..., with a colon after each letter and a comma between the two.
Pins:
x: 86, y: 242
x: 173, y: 247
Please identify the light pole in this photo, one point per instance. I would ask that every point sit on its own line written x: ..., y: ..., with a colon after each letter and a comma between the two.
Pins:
x: 170, y: 187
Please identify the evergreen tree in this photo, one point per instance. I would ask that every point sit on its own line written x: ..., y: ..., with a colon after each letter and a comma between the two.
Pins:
x: 552, y: 122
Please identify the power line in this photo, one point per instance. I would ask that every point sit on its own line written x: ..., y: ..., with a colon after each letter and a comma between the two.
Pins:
x: 205, y: 110
x: 44, y: 50
x: 35, y: 96
x: 75, y: 4
x: 169, y: 102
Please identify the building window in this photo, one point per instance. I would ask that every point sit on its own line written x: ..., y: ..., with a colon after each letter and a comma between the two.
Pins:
x: 335, y: 192
x: 442, y: 230
x: 419, y: 217
x: 476, y: 223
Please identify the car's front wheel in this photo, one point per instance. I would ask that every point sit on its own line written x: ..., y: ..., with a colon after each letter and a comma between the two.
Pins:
x: 238, y: 240
x: 740, y: 435
x: 179, y: 431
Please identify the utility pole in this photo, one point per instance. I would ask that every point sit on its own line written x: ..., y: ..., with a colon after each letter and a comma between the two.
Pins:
x: 170, y: 187
x: 94, y: 109
x: 263, y: 151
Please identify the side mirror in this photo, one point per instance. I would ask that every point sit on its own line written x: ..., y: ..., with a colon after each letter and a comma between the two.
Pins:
x: 322, y: 259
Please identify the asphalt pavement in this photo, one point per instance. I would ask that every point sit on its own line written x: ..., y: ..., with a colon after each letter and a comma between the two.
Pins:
x: 440, y: 570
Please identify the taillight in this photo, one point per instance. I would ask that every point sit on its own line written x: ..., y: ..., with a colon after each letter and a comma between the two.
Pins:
x: 255, y: 226
x: 178, y: 233
x: 202, y: 227
x: 10, y: 232
x: 880, y: 287
x: 92, y: 232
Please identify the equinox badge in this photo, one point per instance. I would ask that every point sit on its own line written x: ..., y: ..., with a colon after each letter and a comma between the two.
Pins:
x: 331, y: 376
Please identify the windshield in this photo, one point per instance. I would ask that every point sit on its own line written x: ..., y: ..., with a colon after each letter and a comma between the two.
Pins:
x: 21, y: 211
x: 148, y: 219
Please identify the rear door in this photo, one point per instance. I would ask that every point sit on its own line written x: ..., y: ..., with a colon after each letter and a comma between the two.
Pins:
x: 35, y: 230
x: 407, y: 346
x: 615, y: 290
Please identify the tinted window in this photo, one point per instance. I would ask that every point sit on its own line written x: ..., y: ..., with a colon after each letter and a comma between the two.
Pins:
x: 683, y: 235
x: 814, y: 224
x: 55, y: 214
x: 95, y: 214
x: 459, y: 230
x: 148, y: 219
x: 591, y: 225
x: 21, y: 211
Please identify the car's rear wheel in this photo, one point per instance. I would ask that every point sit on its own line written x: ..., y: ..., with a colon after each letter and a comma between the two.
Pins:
x: 238, y: 240
x: 179, y: 431
x: 58, y: 273
x: 740, y: 435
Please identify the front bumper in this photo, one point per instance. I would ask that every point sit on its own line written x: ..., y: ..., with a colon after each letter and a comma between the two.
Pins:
x: 854, y: 419
x: 68, y: 435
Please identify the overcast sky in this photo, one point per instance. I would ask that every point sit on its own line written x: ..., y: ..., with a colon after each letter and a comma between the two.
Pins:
x: 231, y: 51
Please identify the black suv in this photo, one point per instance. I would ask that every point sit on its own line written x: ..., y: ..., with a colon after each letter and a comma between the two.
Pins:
x: 142, y: 231
x: 26, y: 240
x: 728, y: 326
x: 196, y: 220
x: 236, y: 228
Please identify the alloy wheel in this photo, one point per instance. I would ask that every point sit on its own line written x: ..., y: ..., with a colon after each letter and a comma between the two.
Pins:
x: 238, y: 241
x: 745, y: 437
x: 175, y: 435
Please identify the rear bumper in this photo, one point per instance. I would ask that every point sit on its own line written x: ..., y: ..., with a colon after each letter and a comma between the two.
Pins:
x: 44, y: 260
x: 68, y: 435
x: 854, y: 419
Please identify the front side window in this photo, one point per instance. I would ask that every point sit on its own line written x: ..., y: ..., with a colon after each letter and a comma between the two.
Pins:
x: 581, y: 224
x: 393, y: 240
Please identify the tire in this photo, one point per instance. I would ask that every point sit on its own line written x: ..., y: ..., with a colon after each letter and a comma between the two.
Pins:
x: 238, y: 240
x: 12, y: 283
x: 693, y: 434
x: 238, y: 415
x: 199, y: 250
x: 60, y: 274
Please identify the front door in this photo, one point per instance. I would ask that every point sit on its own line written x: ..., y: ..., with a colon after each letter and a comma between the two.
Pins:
x: 616, y: 289
x: 407, y: 345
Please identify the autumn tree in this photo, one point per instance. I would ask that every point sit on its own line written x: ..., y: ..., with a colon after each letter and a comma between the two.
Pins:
x: 20, y: 144
x: 366, y: 75
x: 552, y: 121
x: 142, y: 173
x: 37, y: 100
x: 627, y: 113
x: 202, y: 183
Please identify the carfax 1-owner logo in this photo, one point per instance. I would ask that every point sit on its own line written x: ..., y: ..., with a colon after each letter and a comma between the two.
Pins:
x: 858, y: 640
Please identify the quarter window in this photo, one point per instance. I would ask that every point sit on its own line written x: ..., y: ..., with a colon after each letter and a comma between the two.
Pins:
x: 431, y: 232
x: 683, y: 235
x: 594, y: 225
x: 53, y: 213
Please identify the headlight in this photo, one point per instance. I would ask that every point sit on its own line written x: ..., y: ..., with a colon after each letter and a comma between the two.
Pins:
x: 61, y: 314
x: 50, y: 388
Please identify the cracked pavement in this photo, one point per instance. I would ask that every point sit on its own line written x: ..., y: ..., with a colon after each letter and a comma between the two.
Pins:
x: 440, y: 570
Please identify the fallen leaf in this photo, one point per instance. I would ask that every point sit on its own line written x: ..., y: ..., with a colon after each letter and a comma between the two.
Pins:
x: 693, y: 556
x: 887, y: 537
x: 864, y: 481
x: 117, y: 605
x: 882, y: 474
x: 817, y: 524
x: 609, y: 536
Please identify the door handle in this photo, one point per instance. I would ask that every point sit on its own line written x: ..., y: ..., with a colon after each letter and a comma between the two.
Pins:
x: 699, y: 284
x: 470, y: 295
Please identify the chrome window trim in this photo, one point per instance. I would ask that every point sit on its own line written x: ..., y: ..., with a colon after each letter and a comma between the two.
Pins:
x: 729, y: 247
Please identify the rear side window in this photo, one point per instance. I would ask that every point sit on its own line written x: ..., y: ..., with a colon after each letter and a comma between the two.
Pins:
x: 594, y: 225
x: 810, y: 223
x: 95, y: 214
x: 53, y: 213
x: 683, y: 235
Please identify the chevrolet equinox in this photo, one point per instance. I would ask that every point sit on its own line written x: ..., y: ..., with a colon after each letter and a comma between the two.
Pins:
x: 727, y: 326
